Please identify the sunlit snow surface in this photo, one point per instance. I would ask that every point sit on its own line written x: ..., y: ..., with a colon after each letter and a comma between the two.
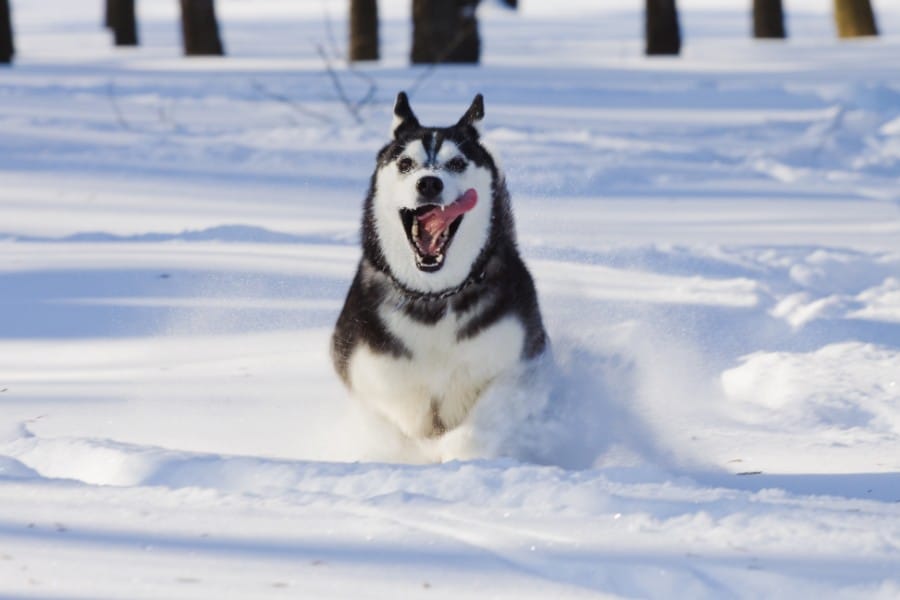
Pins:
x: 716, y: 245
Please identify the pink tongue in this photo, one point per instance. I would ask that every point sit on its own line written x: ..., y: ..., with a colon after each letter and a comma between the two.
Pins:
x: 434, y: 222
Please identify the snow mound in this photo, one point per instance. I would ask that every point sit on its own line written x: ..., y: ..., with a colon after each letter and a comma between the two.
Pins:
x: 840, y: 386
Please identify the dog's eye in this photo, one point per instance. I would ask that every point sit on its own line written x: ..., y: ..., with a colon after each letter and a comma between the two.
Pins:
x: 457, y: 165
x: 405, y: 164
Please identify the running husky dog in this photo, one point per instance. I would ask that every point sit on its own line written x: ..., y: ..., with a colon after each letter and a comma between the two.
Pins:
x: 442, y: 305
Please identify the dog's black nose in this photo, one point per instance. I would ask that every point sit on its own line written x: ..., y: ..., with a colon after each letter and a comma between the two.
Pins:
x: 430, y: 186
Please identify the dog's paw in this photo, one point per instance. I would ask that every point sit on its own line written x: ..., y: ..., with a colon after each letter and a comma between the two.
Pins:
x: 466, y: 442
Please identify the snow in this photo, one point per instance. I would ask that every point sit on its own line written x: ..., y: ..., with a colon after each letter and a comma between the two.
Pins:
x: 716, y: 245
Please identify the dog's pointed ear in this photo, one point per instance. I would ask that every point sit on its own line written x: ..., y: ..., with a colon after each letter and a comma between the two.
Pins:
x: 474, y: 115
x: 403, y: 116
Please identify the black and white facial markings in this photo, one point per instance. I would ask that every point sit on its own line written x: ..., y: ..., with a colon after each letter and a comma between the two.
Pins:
x: 432, y: 199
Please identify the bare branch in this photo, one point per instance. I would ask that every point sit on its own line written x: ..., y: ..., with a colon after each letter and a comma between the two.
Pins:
x: 342, y: 94
x: 113, y: 101
x: 329, y: 33
x: 292, y: 104
x: 336, y: 54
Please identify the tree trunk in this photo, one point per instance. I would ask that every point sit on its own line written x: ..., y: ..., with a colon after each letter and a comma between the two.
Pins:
x: 7, y: 49
x: 662, y: 33
x: 768, y: 19
x: 122, y: 21
x: 854, y: 18
x: 445, y: 31
x: 199, y: 28
x: 363, y: 30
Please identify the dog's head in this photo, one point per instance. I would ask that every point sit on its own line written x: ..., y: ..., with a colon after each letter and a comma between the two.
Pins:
x: 432, y: 198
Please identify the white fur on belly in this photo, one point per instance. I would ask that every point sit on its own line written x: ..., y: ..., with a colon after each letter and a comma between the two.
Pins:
x: 443, y: 372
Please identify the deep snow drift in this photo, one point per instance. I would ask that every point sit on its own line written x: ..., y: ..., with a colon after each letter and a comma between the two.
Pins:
x: 716, y: 244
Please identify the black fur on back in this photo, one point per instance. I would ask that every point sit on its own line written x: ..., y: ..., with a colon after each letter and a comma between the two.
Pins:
x: 498, y: 284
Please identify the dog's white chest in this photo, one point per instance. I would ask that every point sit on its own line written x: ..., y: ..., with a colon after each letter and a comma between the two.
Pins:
x: 437, y: 387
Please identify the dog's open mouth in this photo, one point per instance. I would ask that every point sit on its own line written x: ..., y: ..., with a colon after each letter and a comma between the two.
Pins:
x: 431, y: 228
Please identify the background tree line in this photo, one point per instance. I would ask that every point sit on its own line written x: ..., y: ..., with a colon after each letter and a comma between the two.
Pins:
x: 444, y: 31
x: 853, y: 18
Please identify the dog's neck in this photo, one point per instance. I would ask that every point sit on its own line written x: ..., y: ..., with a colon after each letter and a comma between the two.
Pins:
x: 474, y: 278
